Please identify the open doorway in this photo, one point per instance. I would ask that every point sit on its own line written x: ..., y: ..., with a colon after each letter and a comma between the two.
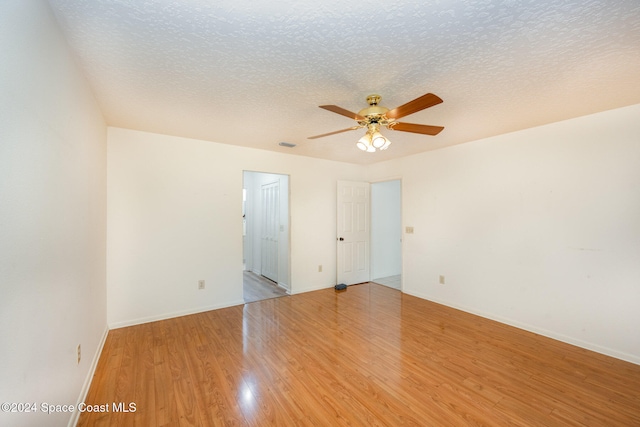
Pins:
x: 265, y: 235
x: 369, y: 233
x: 386, y: 233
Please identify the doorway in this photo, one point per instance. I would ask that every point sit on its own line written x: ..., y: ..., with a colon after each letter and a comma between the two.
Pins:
x: 354, y: 232
x: 265, y: 236
x: 369, y: 233
x: 386, y: 233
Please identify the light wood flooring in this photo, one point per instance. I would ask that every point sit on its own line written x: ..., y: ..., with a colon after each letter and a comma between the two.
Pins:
x: 257, y: 288
x: 367, y: 356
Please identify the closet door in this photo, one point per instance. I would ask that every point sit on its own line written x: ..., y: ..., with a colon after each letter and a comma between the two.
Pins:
x: 270, y: 226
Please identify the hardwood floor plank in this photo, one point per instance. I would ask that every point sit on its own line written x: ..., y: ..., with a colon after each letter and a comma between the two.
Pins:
x: 164, y: 396
x: 145, y: 379
x: 104, y: 381
x: 369, y: 356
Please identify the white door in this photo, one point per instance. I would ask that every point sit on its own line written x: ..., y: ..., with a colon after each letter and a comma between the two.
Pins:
x: 353, y: 232
x: 270, y: 228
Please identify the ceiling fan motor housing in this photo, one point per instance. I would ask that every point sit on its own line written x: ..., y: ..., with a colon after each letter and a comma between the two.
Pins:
x: 374, y: 113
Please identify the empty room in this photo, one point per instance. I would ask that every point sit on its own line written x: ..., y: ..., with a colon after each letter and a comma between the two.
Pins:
x: 467, y: 169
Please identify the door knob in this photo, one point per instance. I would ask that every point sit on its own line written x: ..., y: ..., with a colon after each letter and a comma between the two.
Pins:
x: 341, y: 239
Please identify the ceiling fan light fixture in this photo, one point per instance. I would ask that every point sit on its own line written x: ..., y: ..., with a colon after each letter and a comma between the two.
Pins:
x: 365, y: 142
x: 377, y: 140
x: 373, y: 140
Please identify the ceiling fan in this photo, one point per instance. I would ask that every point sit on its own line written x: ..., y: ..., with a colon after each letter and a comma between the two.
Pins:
x: 375, y: 116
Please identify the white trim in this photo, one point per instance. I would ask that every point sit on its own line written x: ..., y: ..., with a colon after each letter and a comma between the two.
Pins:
x: 87, y: 381
x: 117, y: 325
x: 390, y: 178
x: 283, y: 286
x: 540, y: 331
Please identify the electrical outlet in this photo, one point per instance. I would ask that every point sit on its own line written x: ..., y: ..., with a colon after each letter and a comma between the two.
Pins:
x: 79, y: 350
x: 320, y: 268
x: 200, y: 284
x: 409, y: 230
x: 441, y: 279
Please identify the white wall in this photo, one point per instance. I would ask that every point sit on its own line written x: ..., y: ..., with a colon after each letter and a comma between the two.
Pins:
x: 52, y: 217
x: 386, y: 224
x: 538, y: 228
x: 175, y: 216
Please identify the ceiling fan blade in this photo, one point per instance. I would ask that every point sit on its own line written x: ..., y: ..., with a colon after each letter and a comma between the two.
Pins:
x: 412, y: 127
x: 425, y: 101
x: 342, y: 111
x: 333, y: 133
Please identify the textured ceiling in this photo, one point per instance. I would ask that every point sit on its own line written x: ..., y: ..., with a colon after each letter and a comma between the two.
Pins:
x: 253, y: 73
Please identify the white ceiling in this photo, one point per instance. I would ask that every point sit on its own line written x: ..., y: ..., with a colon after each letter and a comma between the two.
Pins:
x: 253, y: 73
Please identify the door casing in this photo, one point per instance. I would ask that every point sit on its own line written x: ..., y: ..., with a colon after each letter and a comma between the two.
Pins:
x: 353, y: 232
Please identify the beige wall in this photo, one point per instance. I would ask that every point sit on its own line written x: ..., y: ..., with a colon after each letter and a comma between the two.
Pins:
x: 52, y: 217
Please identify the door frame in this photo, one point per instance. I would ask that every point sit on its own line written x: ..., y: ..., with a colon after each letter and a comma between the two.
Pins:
x: 355, y: 236
x: 252, y: 221
x: 401, y: 225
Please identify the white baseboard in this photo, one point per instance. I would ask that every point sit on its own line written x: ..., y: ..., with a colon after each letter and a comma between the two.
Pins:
x: 549, y: 334
x: 133, y: 322
x: 285, y: 287
x: 87, y: 381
